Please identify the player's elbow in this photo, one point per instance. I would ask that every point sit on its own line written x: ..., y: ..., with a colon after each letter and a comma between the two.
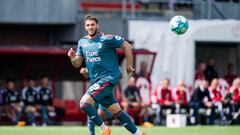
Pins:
x: 127, y: 46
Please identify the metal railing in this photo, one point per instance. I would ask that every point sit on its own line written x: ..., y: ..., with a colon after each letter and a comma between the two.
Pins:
x: 207, y: 9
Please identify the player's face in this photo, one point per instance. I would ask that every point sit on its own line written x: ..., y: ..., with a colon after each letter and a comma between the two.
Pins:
x: 205, y: 84
x: 91, y: 27
x: 10, y: 85
x: 31, y: 83
x: 132, y: 82
x: 238, y: 82
x: 165, y: 84
x: 214, y: 83
x: 44, y: 82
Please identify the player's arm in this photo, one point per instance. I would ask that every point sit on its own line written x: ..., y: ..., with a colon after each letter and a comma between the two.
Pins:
x: 129, y: 57
x: 75, y: 59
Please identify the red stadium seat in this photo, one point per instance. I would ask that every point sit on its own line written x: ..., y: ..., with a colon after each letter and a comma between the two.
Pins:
x: 70, y: 104
x: 73, y: 112
x: 58, y: 103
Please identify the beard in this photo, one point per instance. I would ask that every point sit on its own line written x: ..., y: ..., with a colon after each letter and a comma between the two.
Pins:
x: 93, y: 34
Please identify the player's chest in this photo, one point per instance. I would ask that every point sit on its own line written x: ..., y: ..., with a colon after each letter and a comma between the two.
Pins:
x: 31, y: 93
x: 93, y: 49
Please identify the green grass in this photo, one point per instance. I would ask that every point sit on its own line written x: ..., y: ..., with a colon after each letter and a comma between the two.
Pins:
x: 80, y: 130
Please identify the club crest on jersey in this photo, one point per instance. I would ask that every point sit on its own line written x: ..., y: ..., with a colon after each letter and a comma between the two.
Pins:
x: 118, y: 37
x: 99, y: 45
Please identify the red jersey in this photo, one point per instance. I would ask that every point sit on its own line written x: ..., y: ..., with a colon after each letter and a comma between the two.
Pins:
x: 230, y: 78
x: 161, y: 95
x: 215, y: 94
x: 199, y: 75
x: 236, y: 95
x: 181, y: 96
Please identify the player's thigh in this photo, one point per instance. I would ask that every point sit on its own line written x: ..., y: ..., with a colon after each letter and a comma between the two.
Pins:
x: 114, y: 108
x: 30, y: 109
x: 17, y: 107
x: 102, y: 113
x: 87, y: 99
x: 102, y: 92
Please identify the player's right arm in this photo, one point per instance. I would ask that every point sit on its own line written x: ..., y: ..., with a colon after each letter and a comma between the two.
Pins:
x: 75, y: 59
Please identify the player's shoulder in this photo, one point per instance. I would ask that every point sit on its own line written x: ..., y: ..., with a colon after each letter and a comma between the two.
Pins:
x: 82, y: 41
x: 106, y: 37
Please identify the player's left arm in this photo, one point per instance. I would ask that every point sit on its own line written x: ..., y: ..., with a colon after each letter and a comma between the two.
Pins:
x: 129, y: 57
x: 84, y: 72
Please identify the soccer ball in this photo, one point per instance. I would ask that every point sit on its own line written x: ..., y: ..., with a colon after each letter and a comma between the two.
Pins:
x: 179, y: 25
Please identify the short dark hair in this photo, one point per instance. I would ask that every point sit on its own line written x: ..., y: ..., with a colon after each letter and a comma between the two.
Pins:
x: 8, y: 80
x: 43, y: 76
x: 88, y: 17
x: 30, y: 77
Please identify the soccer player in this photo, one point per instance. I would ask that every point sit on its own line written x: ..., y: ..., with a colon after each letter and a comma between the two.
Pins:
x: 45, y: 98
x: 102, y: 111
x: 30, y: 97
x: 163, y: 99
x: 100, y: 55
x: 12, y: 100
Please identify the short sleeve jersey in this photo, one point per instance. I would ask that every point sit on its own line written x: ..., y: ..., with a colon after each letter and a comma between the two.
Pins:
x: 29, y: 96
x: 45, y: 96
x: 11, y: 96
x: 100, y: 55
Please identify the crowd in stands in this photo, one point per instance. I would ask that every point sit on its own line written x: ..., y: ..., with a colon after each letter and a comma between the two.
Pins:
x: 34, y: 100
x: 210, y: 100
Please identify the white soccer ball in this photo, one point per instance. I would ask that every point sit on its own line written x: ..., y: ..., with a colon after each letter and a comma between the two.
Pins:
x: 179, y: 25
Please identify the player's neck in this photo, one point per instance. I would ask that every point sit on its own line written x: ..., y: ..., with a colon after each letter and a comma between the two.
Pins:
x: 93, y: 36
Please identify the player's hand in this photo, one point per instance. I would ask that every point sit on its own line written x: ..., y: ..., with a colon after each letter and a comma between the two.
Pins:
x: 83, y: 71
x: 130, y: 70
x: 71, y: 53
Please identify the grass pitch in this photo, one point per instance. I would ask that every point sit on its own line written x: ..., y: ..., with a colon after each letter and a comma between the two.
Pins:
x: 83, y: 130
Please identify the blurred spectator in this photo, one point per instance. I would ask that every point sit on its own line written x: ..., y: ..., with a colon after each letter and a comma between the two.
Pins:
x: 201, y: 99
x: 29, y: 96
x: 131, y: 98
x: 230, y: 76
x: 45, y: 97
x: 162, y: 99
x: 217, y: 97
x: 145, y: 93
x: 143, y: 71
x: 210, y: 71
x: 12, y: 100
x: 200, y: 71
x: 2, y: 104
x: 199, y: 75
x: 236, y: 97
x: 145, y: 90
x: 223, y: 86
x: 181, y: 95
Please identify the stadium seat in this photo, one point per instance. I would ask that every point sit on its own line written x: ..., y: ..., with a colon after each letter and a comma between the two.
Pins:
x: 58, y: 103
x: 73, y: 113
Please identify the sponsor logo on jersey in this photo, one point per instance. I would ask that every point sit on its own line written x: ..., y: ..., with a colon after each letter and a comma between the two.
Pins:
x: 92, y: 56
